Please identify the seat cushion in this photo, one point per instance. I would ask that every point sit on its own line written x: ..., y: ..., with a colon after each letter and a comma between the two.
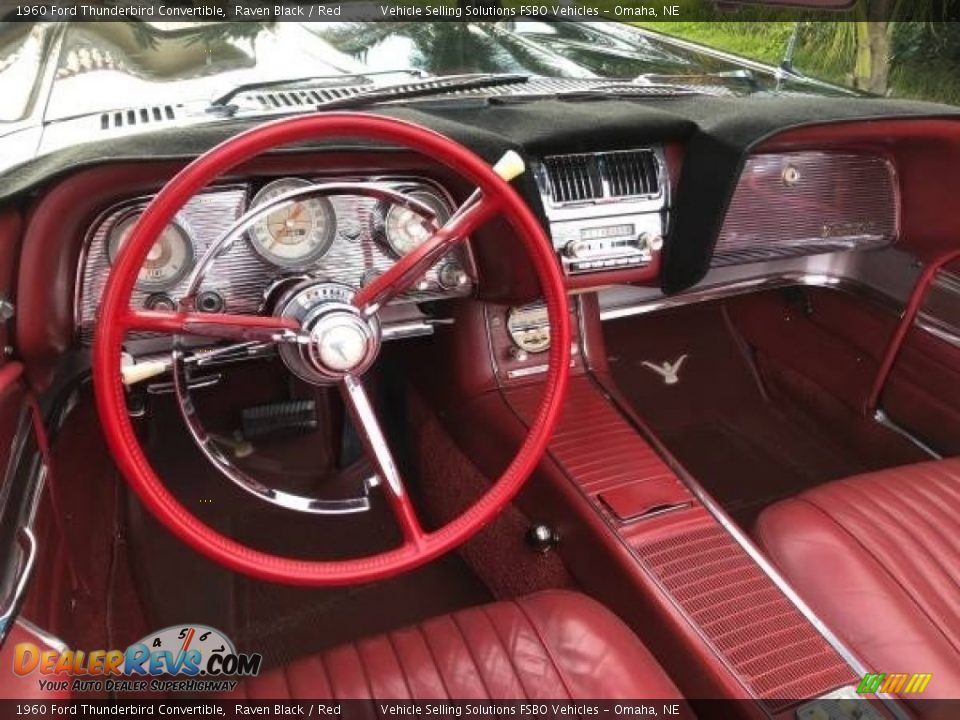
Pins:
x: 26, y: 687
x: 877, y: 556
x: 555, y: 644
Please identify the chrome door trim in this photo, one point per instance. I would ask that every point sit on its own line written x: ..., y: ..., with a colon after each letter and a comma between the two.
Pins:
x: 23, y: 484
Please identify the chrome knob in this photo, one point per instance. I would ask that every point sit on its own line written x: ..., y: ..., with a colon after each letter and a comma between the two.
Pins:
x: 651, y: 242
x: 452, y: 276
x: 576, y: 249
x: 160, y: 301
x: 542, y: 538
x: 519, y: 354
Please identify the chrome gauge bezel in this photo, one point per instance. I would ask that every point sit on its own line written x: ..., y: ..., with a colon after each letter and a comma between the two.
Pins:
x: 521, y: 320
x: 328, y: 230
x: 381, y: 218
x: 182, y: 227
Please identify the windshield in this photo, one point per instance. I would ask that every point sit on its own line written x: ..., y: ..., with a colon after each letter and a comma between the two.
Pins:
x: 119, y: 64
x: 23, y: 48
x: 53, y: 72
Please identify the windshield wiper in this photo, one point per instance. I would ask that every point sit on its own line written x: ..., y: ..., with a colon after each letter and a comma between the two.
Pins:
x: 424, y: 88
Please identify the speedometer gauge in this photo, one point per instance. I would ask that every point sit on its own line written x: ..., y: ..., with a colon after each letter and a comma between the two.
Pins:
x: 405, y: 230
x: 296, y: 234
x: 168, y: 261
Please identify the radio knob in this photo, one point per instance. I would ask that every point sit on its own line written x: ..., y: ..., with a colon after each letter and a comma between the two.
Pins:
x: 651, y: 242
x: 576, y: 249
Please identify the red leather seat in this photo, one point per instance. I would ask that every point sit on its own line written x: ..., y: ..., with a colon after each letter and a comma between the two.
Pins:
x: 877, y: 556
x: 27, y: 687
x: 552, y: 645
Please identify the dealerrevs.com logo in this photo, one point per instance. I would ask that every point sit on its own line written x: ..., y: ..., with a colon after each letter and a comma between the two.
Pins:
x: 182, y: 658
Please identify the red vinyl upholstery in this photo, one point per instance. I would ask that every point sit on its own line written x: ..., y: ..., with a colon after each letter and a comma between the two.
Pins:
x: 877, y: 556
x: 551, y: 645
x: 27, y: 687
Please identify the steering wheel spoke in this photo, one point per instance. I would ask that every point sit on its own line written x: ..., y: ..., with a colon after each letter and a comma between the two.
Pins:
x: 375, y: 442
x: 411, y: 267
x: 222, y: 326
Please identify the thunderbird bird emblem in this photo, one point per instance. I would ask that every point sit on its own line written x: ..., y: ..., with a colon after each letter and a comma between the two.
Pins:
x: 670, y: 372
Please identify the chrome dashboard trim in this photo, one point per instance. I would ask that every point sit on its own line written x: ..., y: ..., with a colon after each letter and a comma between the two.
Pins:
x: 648, y: 214
x: 406, y: 329
x: 790, y: 204
x: 608, y: 204
x: 887, y: 276
x: 354, y: 254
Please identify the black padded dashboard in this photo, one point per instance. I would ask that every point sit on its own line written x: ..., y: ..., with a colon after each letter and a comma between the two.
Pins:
x: 718, y: 135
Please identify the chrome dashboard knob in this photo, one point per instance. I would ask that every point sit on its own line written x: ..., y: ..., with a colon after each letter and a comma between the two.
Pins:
x: 576, y: 249
x: 452, y: 276
x: 651, y: 242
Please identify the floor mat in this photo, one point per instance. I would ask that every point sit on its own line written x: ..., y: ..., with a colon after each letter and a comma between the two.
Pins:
x: 756, y: 459
x: 747, y: 450
x: 283, y: 623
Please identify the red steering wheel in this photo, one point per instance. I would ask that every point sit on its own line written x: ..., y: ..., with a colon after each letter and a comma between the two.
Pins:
x: 494, y: 196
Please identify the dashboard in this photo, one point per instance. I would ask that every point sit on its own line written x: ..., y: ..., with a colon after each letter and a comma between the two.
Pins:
x: 608, y: 213
x: 640, y: 201
x: 344, y: 238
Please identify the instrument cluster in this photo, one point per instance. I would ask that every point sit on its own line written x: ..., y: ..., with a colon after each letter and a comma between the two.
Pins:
x: 343, y: 238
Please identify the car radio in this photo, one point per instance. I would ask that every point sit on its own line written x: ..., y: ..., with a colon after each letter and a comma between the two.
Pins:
x: 607, y: 210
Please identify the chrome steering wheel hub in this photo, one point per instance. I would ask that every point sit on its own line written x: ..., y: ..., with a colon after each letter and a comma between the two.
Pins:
x: 338, y: 341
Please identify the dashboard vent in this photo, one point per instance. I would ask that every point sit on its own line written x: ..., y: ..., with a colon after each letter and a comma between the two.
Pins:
x: 631, y: 173
x: 596, y: 176
x: 303, y: 99
x: 138, y: 116
x: 573, y: 178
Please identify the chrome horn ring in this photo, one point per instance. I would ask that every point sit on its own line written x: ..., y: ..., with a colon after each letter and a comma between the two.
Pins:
x: 327, y: 309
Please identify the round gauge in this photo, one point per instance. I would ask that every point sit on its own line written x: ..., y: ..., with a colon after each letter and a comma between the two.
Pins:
x: 529, y: 327
x: 405, y: 230
x: 168, y: 261
x: 297, y: 234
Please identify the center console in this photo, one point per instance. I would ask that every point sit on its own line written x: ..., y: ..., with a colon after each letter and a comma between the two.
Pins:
x: 688, y: 554
x: 640, y: 534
